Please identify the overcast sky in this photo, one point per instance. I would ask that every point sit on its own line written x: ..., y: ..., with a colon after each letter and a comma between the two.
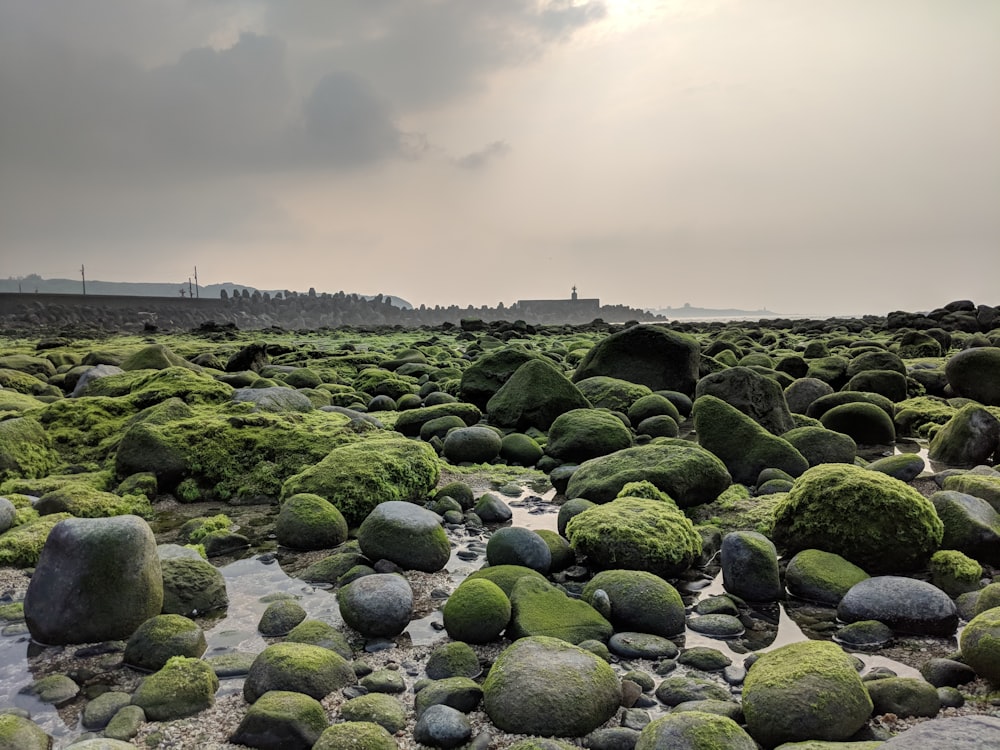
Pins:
x: 808, y: 156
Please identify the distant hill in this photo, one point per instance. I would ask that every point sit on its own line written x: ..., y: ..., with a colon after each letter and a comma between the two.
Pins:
x: 35, y: 283
x: 687, y: 311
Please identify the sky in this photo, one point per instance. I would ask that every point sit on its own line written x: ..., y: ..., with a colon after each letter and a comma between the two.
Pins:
x: 825, y: 157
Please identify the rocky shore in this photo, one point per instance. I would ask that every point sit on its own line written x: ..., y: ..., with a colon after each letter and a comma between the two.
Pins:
x: 709, y: 489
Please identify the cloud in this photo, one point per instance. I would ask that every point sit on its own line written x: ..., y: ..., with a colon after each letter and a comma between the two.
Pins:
x: 479, y: 159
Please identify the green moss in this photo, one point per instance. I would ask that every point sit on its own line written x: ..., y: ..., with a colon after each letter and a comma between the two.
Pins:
x: 84, y: 501
x: 737, y: 510
x: 477, y: 611
x: 954, y: 572
x: 86, y: 430
x: 505, y: 576
x: 869, y: 518
x: 919, y: 416
x: 97, y: 480
x: 24, y: 449
x: 980, y: 644
x: 376, y: 382
x: 18, y: 732
x: 604, y: 392
x: 198, y: 529
x: 183, y: 687
x: 357, y: 735
x: 21, y: 545
x: 358, y: 476
x: 23, y: 383
x: 636, y: 534
x: 376, y: 708
x: 155, y: 357
x: 694, y: 730
x: 985, y: 487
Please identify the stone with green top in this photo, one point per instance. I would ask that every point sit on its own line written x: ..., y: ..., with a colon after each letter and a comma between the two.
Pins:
x: 183, y: 687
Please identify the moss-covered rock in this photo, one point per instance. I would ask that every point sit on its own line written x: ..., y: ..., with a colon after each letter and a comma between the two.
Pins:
x: 484, y: 377
x: 83, y: 501
x: 982, y: 486
x: 377, y: 605
x: 155, y: 357
x: 377, y: 708
x: 357, y: 735
x: 356, y: 477
x: 378, y: 382
x: 871, y: 519
x: 406, y: 534
x: 282, y: 719
x: 971, y: 525
x: 505, y: 576
x: 477, y: 611
x: 320, y: 633
x: 539, y: 608
x: 192, y: 587
x: 751, y: 393
x: 22, y: 545
x: 162, y: 637
x: 822, y: 405
x: 534, y: 395
x: 300, y: 667
x: 412, y: 421
x: 686, y: 472
x: 640, y: 601
x: 804, y: 691
x: 613, y: 394
x: 822, y: 446
x: 582, y: 434
x: 476, y: 445
x: 969, y: 438
x: 24, y: 449
x: 975, y: 373
x: 20, y: 733
x: 744, y: 446
x: 866, y: 423
x: 636, y: 534
x: 980, y: 644
x: 518, y: 449
x: 308, y: 522
x: 822, y: 577
x: 548, y: 687
x: 954, y: 572
x: 656, y: 357
x: 918, y: 417
x: 183, y: 687
x: 459, y: 693
x: 694, y: 730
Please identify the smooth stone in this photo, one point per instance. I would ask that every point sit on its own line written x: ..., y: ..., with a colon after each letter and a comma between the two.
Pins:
x: 642, y: 646
x: 704, y: 658
x: 906, y: 605
x: 717, y: 626
x: 442, y: 726
x: 953, y: 733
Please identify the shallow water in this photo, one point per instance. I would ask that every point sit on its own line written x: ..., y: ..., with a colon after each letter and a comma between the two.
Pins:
x: 255, y: 577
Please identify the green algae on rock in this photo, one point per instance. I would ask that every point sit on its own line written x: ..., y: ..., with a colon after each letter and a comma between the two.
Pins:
x: 869, y: 518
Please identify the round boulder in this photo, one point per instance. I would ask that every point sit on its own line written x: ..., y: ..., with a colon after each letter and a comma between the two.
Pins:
x: 474, y: 445
x: 582, y: 434
x: 694, y: 730
x: 516, y: 545
x: 640, y: 601
x: 980, y: 644
x: 477, y: 611
x: 406, y: 534
x: 299, y: 667
x: 308, y: 522
x: 378, y: 605
x: 545, y: 686
x: 906, y: 605
x: 97, y: 579
x: 975, y: 373
x: 162, y: 637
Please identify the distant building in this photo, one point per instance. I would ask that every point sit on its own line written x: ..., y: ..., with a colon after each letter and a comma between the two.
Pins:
x: 574, y: 306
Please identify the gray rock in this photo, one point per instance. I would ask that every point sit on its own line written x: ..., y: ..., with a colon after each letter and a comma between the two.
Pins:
x: 97, y: 579
x: 864, y: 634
x: 442, y: 726
x: 971, y: 525
x: 946, y: 672
x: 406, y: 534
x: 612, y: 738
x: 906, y: 605
x: 803, y: 392
x: 377, y: 605
x: 125, y: 724
x: 642, y: 646
x: 973, y: 373
x: 958, y: 733
x: 717, y: 626
x: 904, y: 466
x: 56, y: 689
x: 680, y: 689
x: 102, y: 709
x: 474, y: 444
x: 515, y: 545
x: 491, y: 509
x: 704, y: 659
x: 969, y: 438
x: 460, y: 693
x: 750, y: 567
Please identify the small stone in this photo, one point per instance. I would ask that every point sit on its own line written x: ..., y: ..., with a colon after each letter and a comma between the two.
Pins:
x: 704, y: 658
x: 442, y: 726
x: 642, y: 646
x: 716, y: 626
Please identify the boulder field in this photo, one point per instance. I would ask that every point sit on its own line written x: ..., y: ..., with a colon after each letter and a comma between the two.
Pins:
x: 712, y: 480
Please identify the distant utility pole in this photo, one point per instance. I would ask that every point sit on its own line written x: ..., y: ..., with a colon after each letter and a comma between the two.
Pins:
x: 197, y: 295
x: 190, y: 290
x: 83, y: 276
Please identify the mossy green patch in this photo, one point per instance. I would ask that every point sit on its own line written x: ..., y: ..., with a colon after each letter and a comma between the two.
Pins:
x: 86, y: 430
x: 358, y: 476
x: 24, y: 449
x: 83, y: 501
x: 21, y: 545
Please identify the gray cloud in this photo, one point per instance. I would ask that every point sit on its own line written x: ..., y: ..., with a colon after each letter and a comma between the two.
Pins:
x: 479, y: 159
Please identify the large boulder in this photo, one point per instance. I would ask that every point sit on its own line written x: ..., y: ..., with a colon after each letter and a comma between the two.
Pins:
x: 192, y: 586
x: 475, y: 445
x: 953, y: 733
x: 975, y: 373
x: 309, y: 522
x: 581, y: 434
x: 534, y: 396
x: 819, y: 445
x: 488, y: 373
x: 968, y: 439
x: 804, y: 691
x: 378, y: 605
x: 823, y: 577
x: 406, y: 534
x: 907, y: 605
x: 656, y: 357
x: 980, y: 644
x: 756, y: 395
x: 24, y: 449
x: 548, y: 687
x: 614, y: 394
x: 97, y: 579
x: 686, y: 472
x: 282, y: 720
x: 300, y: 667
x: 869, y: 518
x: 477, y: 611
x: 971, y: 525
x: 640, y: 601
x: 744, y: 446
x: 358, y: 476
x: 750, y: 567
x: 636, y: 534
x: 183, y: 687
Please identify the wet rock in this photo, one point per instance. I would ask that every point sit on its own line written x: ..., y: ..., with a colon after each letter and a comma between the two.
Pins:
x: 298, y: 667
x: 514, y: 545
x: 750, y: 567
x: 377, y: 605
x: 823, y: 577
x: 162, y: 637
x: 280, y: 618
x: 442, y: 726
x: 642, y: 646
x: 638, y: 601
x: 406, y: 534
x: 906, y: 605
x: 282, y: 720
x: 904, y: 696
x: 958, y: 733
